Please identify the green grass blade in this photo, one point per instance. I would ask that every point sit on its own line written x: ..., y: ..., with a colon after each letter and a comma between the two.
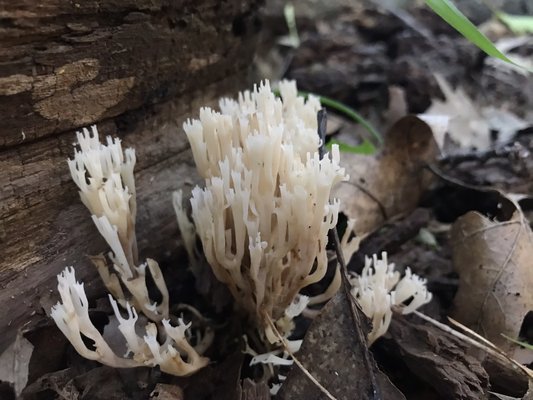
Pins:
x: 350, y: 113
x: 519, y: 24
x: 366, y: 147
x: 451, y: 14
x: 523, y: 344
x: 347, y: 111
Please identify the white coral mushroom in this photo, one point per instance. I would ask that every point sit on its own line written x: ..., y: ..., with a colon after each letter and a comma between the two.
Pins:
x: 265, y: 211
x: 72, y: 317
x: 373, y: 289
x: 104, y: 176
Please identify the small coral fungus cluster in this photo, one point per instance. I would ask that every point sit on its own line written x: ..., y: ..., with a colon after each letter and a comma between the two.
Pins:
x: 104, y: 176
x: 379, y: 289
x: 264, y: 214
x: 262, y: 217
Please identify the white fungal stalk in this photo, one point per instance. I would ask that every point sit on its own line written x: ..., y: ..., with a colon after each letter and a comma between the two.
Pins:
x: 264, y: 213
x: 72, y: 317
x: 104, y: 176
x: 378, y: 289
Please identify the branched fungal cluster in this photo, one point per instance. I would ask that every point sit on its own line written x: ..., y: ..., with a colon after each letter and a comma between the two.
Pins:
x: 264, y: 214
x: 379, y: 289
x: 262, y: 217
x: 104, y: 176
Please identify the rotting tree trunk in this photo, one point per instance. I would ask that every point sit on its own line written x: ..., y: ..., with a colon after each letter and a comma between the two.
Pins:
x: 137, y: 68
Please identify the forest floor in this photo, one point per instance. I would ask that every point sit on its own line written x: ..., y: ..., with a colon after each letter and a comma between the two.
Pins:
x: 451, y: 198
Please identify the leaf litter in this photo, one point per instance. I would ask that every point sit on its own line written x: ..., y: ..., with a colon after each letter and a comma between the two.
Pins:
x: 493, y: 255
x: 15, y: 362
x: 335, y: 357
x: 392, y: 182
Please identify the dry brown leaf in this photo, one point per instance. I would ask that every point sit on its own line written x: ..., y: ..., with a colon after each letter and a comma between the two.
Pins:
x: 251, y: 390
x: 14, y: 363
x: 392, y: 182
x: 494, y: 260
x: 334, y: 356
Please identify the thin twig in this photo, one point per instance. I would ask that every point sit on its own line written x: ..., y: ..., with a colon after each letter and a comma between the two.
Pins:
x: 515, y: 150
x: 491, y: 349
x: 475, y: 334
x: 296, y: 361
x: 334, y: 238
x: 492, y: 345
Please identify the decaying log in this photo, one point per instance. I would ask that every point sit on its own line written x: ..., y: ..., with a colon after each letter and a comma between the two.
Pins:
x: 137, y: 68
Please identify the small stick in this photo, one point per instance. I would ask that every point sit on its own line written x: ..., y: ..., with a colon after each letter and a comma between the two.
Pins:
x: 296, y: 361
x: 491, y: 349
x: 527, y: 370
x: 334, y: 238
x: 516, y: 150
x: 475, y: 334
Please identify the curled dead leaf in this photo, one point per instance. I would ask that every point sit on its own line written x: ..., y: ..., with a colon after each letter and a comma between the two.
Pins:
x: 493, y: 257
x: 392, y: 182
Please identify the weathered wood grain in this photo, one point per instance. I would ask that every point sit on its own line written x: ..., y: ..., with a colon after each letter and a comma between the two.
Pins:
x: 137, y: 68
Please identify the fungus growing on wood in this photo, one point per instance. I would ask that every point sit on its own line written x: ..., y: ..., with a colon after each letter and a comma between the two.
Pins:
x: 104, y: 176
x: 264, y: 212
x: 72, y: 317
x: 379, y: 289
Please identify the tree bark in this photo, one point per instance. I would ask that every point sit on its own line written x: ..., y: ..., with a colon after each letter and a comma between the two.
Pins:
x: 137, y: 69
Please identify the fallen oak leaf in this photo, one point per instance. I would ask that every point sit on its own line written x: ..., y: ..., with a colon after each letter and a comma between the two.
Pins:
x: 493, y: 260
x: 391, y: 182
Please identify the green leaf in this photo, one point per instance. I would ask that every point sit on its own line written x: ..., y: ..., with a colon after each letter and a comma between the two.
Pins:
x: 350, y: 113
x: 451, y: 14
x: 364, y: 148
x: 519, y: 24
